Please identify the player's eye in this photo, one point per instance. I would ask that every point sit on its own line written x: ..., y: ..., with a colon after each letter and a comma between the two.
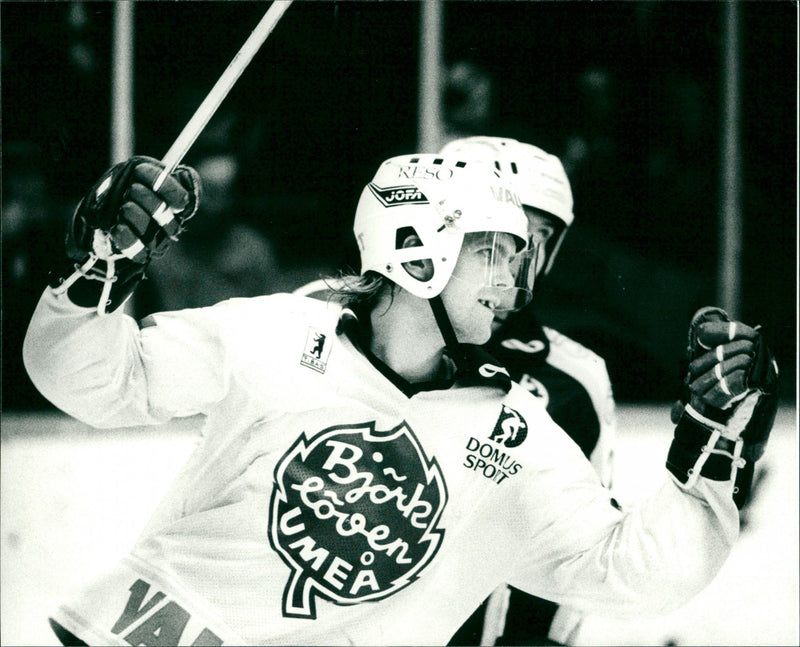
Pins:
x: 542, y: 234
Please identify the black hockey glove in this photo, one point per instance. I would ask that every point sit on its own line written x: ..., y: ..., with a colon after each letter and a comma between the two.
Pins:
x: 120, y: 225
x: 728, y: 403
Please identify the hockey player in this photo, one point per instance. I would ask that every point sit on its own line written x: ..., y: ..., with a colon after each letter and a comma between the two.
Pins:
x: 571, y: 380
x: 368, y: 475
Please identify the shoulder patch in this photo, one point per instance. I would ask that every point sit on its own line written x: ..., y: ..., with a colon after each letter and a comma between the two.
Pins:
x: 316, y: 351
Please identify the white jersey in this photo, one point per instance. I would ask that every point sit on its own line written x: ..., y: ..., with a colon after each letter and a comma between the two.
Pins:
x: 572, y: 382
x: 325, y: 506
x: 589, y: 370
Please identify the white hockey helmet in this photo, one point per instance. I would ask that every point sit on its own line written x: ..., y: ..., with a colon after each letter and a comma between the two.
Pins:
x: 439, y: 199
x: 538, y: 178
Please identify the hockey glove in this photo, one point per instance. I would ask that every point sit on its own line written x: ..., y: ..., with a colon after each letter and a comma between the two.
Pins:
x: 120, y: 225
x: 728, y: 404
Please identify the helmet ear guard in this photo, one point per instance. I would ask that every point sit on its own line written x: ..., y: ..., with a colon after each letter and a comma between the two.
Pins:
x: 414, y: 214
x: 421, y: 269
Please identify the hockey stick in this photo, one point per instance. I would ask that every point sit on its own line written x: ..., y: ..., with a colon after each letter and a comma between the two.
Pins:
x: 221, y: 89
x: 190, y: 132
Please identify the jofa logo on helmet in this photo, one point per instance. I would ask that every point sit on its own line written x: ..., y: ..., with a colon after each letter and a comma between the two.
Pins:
x: 510, y: 428
x: 354, y: 514
x: 396, y: 195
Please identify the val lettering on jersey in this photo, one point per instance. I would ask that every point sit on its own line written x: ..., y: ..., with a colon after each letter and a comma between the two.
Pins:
x: 354, y: 515
x: 159, y: 620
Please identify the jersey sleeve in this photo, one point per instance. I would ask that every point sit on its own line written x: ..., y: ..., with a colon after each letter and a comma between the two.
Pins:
x: 110, y: 372
x: 602, y: 457
x: 592, y: 555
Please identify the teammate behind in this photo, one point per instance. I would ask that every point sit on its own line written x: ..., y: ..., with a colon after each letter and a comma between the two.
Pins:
x: 571, y: 381
x: 368, y: 474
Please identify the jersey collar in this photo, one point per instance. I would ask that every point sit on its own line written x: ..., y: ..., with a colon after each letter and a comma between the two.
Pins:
x: 477, y: 367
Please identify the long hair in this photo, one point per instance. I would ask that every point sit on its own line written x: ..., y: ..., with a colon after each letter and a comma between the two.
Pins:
x: 359, y: 292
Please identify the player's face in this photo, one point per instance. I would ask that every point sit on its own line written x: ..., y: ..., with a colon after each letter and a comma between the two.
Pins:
x: 470, y: 297
x: 541, y: 229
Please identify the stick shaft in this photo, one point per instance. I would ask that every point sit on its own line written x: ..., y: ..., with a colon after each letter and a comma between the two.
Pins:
x: 221, y: 88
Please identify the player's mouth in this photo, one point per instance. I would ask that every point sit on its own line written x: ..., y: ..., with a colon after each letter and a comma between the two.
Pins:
x: 487, y: 303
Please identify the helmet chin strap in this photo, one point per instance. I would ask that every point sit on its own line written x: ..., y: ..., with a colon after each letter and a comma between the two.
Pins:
x: 451, y: 343
x: 474, y: 366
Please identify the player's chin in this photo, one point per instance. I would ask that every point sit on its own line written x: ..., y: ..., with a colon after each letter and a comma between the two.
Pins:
x: 473, y: 338
x: 478, y: 329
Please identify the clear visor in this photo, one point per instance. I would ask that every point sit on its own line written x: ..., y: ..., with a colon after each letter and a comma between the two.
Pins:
x: 508, y: 275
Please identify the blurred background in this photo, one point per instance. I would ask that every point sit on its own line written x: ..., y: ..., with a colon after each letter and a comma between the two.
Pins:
x: 676, y: 122
x: 677, y: 125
